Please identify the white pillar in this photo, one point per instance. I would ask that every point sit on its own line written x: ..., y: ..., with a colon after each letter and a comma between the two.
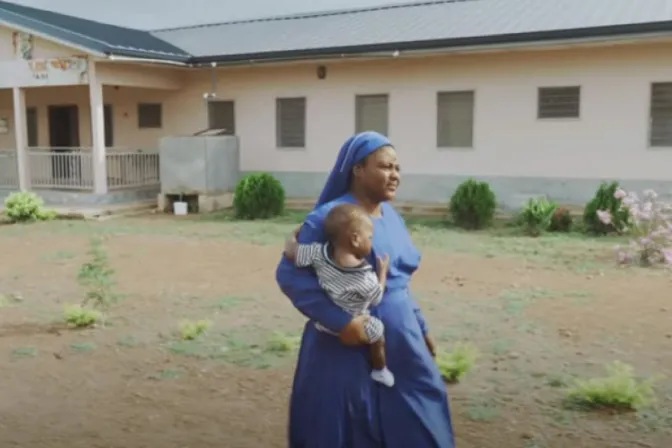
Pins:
x: 21, y: 137
x: 97, y: 131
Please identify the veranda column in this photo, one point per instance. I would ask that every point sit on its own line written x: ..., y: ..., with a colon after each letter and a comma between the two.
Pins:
x: 21, y: 137
x: 97, y: 131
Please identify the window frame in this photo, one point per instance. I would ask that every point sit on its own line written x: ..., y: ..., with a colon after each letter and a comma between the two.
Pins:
x: 142, y: 124
x: 549, y: 90
x: 279, y: 120
x: 444, y: 93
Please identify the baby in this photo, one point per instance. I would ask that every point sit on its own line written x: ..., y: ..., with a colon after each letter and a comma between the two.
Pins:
x: 346, y: 277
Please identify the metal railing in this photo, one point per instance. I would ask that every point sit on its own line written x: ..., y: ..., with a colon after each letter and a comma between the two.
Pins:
x: 132, y: 169
x: 9, y: 172
x: 61, y: 168
x: 72, y: 168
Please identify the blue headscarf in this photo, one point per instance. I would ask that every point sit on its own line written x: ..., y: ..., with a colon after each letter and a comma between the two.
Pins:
x: 353, y: 151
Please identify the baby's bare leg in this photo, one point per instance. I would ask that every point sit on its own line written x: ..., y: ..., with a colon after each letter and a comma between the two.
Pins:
x: 380, y: 373
x: 378, y: 354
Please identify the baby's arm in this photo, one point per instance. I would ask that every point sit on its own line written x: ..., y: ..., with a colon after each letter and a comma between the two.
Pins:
x: 373, y: 289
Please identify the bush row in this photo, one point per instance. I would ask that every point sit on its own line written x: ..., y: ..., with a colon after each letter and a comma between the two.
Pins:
x: 472, y: 206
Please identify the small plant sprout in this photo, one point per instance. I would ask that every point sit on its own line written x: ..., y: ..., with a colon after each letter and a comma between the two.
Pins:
x: 650, y: 230
x: 190, y: 331
x: 96, y: 276
x: 79, y: 317
x: 620, y: 391
x: 458, y: 363
x: 282, y: 343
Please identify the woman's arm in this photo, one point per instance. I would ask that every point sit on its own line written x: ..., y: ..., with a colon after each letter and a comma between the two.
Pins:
x: 302, y: 287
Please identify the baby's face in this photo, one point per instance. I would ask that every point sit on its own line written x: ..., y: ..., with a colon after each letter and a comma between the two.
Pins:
x: 365, y: 238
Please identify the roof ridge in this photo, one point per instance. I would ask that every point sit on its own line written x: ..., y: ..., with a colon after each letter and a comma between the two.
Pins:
x: 317, y: 14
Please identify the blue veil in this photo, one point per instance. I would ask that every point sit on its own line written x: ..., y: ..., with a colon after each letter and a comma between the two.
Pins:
x: 353, y: 151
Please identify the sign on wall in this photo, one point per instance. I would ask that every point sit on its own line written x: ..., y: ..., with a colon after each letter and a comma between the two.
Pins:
x: 59, y: 70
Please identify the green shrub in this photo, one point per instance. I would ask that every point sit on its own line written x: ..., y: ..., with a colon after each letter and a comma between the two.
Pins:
x: 562, y: 220
x: 456, y: 364
x: 259, y: 196
x: 606, y: 200
x: 473, y: 205
x: 537, y: 215
x: 26, y: 206
x: 620, y: 390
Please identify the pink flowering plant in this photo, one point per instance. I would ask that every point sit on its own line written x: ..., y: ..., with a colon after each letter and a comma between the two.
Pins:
x: 650, y: 228
x: 606, y: 201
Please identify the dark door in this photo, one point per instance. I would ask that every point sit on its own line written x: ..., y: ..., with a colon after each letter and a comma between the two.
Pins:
x: 64, y: 140
x: 31, y: 125
x: 108, y: 119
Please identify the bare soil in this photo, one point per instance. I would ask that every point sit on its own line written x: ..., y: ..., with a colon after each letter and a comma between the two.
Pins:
x: 539, y: 319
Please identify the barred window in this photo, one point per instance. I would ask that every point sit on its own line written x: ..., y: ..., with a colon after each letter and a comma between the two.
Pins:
x: 290, y: 122
x: 371, y: 113
x: 559, y: 102
x: 455, y: 119
x: 660, y: 131
x: 150, y: 115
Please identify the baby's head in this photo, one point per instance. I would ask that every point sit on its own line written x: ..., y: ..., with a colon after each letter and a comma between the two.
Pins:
x: 349, y: 228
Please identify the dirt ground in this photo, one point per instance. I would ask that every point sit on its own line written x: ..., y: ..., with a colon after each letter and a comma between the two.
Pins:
x: 541, y: 312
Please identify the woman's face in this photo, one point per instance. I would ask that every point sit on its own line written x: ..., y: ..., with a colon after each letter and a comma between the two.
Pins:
x: 379, y: 176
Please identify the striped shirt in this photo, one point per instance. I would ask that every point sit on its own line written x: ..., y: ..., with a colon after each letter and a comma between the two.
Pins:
x: 353, y: 289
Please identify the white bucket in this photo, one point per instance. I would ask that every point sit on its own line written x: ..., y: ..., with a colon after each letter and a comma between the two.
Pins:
x: 180, y: 208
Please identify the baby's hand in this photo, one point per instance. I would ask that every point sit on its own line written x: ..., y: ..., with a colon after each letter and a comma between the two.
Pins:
x: 383, y: 265
x: 291, y: 245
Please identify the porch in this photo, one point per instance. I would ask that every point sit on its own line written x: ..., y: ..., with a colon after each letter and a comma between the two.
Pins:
x: 85, y: 145
x: 65, y: 176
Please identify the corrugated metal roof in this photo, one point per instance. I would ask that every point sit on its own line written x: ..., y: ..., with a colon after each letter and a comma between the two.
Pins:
x: 420, y: 25
x: 91, y: 35
x: 449, y: 21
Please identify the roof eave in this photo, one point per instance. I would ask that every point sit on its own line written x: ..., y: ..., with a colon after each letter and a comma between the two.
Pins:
x: 438, y: 44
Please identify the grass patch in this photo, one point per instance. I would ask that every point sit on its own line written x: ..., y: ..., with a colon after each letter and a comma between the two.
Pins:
x: 456, y: 364
x: 619, y: 391
x: 83, y: 347
x: 128, y: 342
x: 482, y: 411
x: 7, y: 300
x: 227, y: 303
x: 77, y: 316
x: 243, y: 349
x: 166, y: 374
x: 24, y: 352
x: 190, y: 331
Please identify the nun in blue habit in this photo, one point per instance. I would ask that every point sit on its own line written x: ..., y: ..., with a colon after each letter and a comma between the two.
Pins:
x: 335, y: 403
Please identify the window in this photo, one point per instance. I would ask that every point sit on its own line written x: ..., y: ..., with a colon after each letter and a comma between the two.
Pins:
x: 660, y: 132
x: 221, y: 116
x: 455, y: 119
x: 31, y: 126
x: 559, y: 102
x: 371, y: 113
x: 149, y: 115
x: 290, y: 125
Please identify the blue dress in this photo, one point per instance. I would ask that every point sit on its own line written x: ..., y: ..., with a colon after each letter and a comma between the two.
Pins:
x: 334, y: 402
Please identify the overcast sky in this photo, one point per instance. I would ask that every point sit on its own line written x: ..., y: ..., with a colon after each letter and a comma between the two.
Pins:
x: 152, y: 14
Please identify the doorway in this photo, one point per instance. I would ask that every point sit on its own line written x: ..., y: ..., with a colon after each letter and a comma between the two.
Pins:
x: 64, y: 140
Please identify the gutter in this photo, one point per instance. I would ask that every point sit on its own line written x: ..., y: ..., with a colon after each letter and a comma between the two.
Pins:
x: 518, y: 40
x: 143, y: 60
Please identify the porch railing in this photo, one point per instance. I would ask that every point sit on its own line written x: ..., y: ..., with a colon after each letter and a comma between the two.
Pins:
x: 72, y: 168
x: 61, y: 168
x: 132, y: 169
x: 9, y: 173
